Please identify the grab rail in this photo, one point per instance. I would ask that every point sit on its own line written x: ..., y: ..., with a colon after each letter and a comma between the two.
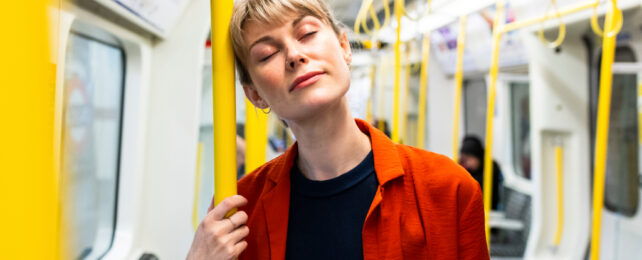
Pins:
x: 459, y: 75
x: 559, y: 170
x: 256, y: 137
x: 197, y: 185
x: 611, y: 28
x: 224, y: 101
x: 423, y: 89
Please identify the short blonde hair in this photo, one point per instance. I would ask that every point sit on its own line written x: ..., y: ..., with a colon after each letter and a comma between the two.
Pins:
x: 269, y: 12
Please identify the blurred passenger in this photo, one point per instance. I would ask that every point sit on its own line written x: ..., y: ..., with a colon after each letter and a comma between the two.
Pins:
x: 471, y: 157
x: 240, y: 157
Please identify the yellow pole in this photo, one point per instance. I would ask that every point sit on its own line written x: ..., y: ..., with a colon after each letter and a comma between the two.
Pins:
x: 559, y: 169
x: 197, y: 185
x: 404, y: 103
x: 381, y: 101
x: 395, y: 107
x: 423, y: 86
x: 29, y: 190
x: 604, y: 105
x: 488, y: 156
x: 640, y: 116
x: 461, y: 45
x: 223, y: 85
x: 373, y: 73
x: 255, y: 137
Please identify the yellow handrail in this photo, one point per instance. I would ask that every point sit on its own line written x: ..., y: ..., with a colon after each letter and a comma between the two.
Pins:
x: 404, y: 102
x: 395, y: 106
x: 562, y: 12
x: 197, y: 185
x: 373, y: 85
x: 604, y: 109
x: 488, y: 159
x: 559, y: 169
x: 423, y: 85
x: 459, y: 72
x: 256, y: 137
x: 224, y: 105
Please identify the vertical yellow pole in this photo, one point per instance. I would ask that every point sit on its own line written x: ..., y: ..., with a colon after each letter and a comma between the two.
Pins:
x: 29, y: 190
x: 490, y: 109
x: 423, y: 85
x: 255, y: 137
x: 373, y: 73
x: 559, y: 169
x: 603, y: 113
x: 197, y: 185
x: 404, y: 104
x: 381, y: 101
x: 461, y: 45
x: 224, y: 101
x: 395, y: 107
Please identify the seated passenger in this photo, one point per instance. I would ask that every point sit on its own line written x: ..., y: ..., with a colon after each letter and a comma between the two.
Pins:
x: 343, y: 190
x: 471, y: 157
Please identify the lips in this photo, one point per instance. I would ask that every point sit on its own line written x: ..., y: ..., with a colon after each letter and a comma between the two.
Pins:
x: 306, y: 79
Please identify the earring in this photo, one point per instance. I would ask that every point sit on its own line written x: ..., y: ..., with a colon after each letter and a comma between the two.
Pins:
x: 269, y: 109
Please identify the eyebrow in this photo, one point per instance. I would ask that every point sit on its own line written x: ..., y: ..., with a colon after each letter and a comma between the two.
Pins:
x: 268, y: 38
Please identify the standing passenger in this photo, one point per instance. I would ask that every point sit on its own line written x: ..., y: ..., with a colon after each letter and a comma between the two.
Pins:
x: 343, y: 190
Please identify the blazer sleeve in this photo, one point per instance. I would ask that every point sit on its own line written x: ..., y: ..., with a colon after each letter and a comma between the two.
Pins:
x: 471, y: 232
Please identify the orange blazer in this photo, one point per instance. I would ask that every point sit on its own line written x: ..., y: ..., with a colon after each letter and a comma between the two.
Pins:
x: 426, y: 206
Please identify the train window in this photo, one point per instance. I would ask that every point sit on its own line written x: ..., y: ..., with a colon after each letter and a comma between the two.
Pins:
x: 621, y: 187
x: 475, y: 107
x: 91, y: 132
x: 520, y: 128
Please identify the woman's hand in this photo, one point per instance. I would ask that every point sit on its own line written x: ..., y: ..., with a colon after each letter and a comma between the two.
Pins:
x: 218, y: 237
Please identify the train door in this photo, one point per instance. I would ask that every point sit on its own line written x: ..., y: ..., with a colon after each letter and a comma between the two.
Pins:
x: 621, y: 217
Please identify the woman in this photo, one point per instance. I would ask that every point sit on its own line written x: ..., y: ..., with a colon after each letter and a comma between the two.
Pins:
x: 344, y: 190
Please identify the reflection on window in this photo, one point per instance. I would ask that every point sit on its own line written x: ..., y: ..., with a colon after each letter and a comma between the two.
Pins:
x: 93, y: 95
x: 521, y: 125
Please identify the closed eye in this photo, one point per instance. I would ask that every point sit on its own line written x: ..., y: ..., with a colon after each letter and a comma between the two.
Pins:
x: 308, y: 35
x: 268, y: 57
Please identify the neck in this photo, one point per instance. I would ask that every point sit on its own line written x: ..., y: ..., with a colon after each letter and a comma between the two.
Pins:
x: 330, y: 143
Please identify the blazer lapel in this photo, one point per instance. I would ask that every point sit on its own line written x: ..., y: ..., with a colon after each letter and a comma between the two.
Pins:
x: 276, y: 204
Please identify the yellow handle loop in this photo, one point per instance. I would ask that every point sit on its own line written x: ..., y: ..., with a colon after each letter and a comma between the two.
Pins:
x: 561, y: 32
x: 617, y: 18
x: 421, y: 15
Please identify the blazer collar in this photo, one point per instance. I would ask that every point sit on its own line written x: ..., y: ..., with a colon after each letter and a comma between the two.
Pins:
x: 387, y: 163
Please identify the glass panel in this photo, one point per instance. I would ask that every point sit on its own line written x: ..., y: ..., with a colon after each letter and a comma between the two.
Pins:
x: 521, y: 125
x: 621, y: 191
x: 93, y: 96
x: 475, y: 108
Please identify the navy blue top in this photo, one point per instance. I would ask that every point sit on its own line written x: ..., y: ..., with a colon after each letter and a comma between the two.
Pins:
x: 326, y: 217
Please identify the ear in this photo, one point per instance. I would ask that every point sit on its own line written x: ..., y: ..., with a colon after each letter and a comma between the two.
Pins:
x: 254, y: 97
x: 345, y: 45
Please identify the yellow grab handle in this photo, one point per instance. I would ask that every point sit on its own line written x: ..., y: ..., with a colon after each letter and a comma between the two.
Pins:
x: 423, y: 89
x: 459, y: 72
x: 224, y: 117
x: 488, y: 155
x: 559, y: 169
x: 603, y: 114
x: 561, y: 32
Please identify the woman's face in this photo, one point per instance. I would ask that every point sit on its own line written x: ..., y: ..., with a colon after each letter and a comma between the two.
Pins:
x: 298, y: 67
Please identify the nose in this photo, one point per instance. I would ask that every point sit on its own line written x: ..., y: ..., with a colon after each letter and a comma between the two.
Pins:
x: 295, y: 58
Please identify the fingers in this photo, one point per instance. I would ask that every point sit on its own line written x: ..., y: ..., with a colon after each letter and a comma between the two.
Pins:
x: 238, y: 234
x: 219, y: 211
x: 238, y: 219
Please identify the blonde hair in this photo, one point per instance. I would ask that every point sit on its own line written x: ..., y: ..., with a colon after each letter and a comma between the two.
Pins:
x: 270, y: 12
